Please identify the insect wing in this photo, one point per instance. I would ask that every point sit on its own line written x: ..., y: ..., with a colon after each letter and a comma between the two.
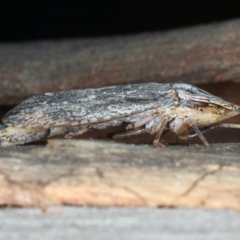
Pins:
x: 76, y: 107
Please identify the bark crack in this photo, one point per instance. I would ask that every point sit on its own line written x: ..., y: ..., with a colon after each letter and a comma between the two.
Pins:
x: 198, y: 180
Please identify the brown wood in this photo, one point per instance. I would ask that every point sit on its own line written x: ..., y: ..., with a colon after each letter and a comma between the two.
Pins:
x: 101, y: 173
x: 201, y: 54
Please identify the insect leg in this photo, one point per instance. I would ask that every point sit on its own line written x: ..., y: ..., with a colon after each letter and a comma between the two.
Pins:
x: 136, y: 126
x: 206, y: 129
x: 153, y: 124
x: 68, y: 131
x: 160, y: 127
x: 198, y: 132
x: 140, y: 122
x: 194, y: 134
x: 78, y: 132
x: 129, y: 133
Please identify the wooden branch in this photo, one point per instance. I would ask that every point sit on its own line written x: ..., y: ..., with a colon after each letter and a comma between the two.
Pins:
x: 99, y: 173
x: 201, y: 54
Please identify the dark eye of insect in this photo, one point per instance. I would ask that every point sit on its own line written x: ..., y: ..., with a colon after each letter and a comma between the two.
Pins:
x: 200, y: 104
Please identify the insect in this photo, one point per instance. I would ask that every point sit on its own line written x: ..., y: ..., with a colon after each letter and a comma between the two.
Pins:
x: 150, y: 108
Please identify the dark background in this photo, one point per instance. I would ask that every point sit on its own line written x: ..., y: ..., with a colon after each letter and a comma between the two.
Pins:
x: 35, y: 20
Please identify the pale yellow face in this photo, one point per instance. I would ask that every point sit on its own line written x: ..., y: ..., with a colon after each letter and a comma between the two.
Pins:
x: 213, y: 114
x: 199, y: 116
x: 205, y: 116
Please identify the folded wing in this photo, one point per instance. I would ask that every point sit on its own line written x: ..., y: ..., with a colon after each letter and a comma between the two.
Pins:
x: 75, y: 107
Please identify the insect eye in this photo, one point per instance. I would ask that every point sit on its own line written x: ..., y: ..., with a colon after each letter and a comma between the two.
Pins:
x: 199, y: 101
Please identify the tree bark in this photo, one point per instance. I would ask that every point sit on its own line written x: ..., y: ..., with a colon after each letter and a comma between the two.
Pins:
x: 202, y: 54
x: 98, y: 173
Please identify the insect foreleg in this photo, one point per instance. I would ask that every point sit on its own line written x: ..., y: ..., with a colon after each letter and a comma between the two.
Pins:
x: 194, y: 134
x: 208, y: 128
x: 200, y: 135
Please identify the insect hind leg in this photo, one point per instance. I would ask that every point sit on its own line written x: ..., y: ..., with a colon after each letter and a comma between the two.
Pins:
x: 68, y: 131
x: 76, y: 132
x: 134, y: 127
x: 159, y: 128
x: 129, y: 133
x: 140, y: 122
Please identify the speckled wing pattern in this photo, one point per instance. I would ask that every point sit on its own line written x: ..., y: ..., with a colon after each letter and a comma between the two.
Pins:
x: 75, y: 107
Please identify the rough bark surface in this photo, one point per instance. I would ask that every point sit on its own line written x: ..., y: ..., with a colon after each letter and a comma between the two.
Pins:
x: 203, y: 54
x: 99, y: 173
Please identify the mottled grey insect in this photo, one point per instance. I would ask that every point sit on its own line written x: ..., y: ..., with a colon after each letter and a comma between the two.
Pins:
x: 144, y: 108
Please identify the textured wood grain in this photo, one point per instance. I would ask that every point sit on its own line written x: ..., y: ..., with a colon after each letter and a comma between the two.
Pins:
x: 200, y: 54
x: 98, y: 173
